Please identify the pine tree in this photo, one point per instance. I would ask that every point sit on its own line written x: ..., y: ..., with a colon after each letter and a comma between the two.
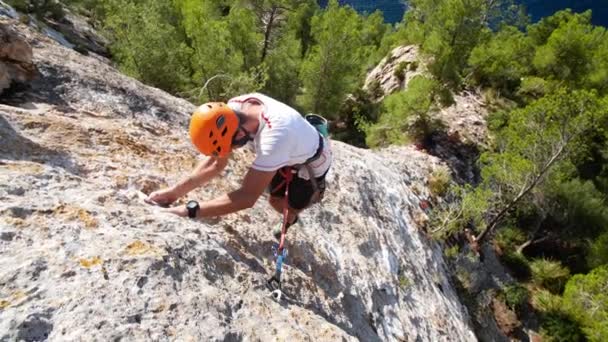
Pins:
x: 330, y: 69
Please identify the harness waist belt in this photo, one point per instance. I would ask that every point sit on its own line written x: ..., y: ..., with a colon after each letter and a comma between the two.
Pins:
x: 318, y: 153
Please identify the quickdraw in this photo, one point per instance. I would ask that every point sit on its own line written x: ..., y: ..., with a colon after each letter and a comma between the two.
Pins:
x: 279, y: 251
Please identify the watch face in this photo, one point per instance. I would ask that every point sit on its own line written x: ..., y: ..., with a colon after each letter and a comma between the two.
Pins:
x: 192, y: 204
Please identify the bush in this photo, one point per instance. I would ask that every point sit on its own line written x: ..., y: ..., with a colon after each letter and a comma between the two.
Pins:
x: 413, y: 66
x: 598, y: 251
x: 503, y: 60
x: 451, y: 252
x: 549, y: 274
x: 375, y: 89
x: 557, y: 327
x: 518, y: 264
x: 400, y: 70
x: 556, y: 321
x: 516, y: 297
x: 509, y: 238
x: 547, y: 302
x: 407, y: 115
x: 586, y: 299
x: 439, y: 181
x: 40, y: 8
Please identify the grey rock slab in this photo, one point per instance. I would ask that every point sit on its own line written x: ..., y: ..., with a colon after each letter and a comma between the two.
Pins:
x: 83, y: 258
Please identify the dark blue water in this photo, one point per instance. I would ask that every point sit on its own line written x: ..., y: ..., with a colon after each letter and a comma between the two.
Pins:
x: 393, y: 9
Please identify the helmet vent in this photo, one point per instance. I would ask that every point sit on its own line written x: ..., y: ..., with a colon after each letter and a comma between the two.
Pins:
x: 219, y: 123
x: 224, y: 131
x: 215, y: 142
x: 219, y: 149
x: 210, y: 134
x: 208, y: 105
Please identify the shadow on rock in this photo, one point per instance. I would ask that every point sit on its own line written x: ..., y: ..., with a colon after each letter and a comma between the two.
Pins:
x: 36, y: 327
x: 17, y: 147
x: 460, y: 157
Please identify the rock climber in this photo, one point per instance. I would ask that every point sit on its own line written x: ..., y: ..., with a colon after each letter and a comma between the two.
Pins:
x: 284, y: 142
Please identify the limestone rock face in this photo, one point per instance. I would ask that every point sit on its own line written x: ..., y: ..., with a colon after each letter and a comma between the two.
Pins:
x: 15, y: 58
x: 83, y: 258
x: 387, y: 76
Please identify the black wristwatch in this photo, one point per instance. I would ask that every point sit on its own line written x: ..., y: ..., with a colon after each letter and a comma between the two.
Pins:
x: 193, y: 208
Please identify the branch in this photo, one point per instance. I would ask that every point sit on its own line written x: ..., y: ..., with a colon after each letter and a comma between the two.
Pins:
x: 494, y: 222
x: 211, y: 79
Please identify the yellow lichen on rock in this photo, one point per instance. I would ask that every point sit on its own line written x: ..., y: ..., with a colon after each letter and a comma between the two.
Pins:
x: 88, y: 263
x: 14, y: 221
x: 22, y: 167
x: 76, y: 213
x: 139, y: 248
x: 14, y: 297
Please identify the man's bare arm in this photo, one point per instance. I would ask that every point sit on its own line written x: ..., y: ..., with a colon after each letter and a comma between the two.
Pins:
x: 253, y: 187
x: 203, y: 173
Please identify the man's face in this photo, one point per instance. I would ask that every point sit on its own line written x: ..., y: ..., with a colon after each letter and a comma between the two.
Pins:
x: 241, y: 137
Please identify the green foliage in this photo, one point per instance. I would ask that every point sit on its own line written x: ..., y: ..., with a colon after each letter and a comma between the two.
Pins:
x: 518, y: 264
x: 579, y: 208
x: 215, y: 59
x: 503, y: 60
x: 329, y: 71
x: 557, y: 327
x: 533, y: 88
x: 147, y: 44
x: 400, y: 70
x: 404, y: 282
x: 516, y: 297
x: 557, y: 323
x: 535, y: 140
x: 568, y: 48
x: 598, y: 251
x: 357, y: 109
x: 509, y: 238
x: 407, y: 114
x: 451, y: 252
x: 39, y: 8
x: 439, y: 181
x: 450, y: 30
x: 586, y: 298
x: 546, y: 302
x: 549, y: 274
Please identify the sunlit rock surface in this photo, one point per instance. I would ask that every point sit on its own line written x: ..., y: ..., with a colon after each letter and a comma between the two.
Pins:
x: 15, y: 58
x: 83, y: 258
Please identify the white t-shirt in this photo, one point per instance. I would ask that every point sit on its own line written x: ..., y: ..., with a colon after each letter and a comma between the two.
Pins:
x: 284, y: 137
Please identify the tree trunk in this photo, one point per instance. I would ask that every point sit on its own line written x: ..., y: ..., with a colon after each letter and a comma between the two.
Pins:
x: 267, y: 33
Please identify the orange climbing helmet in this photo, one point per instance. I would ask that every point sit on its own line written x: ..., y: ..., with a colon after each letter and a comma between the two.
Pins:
x: 212, y: 128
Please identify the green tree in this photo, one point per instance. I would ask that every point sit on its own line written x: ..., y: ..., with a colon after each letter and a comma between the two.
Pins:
x: 537, y: 137
x: 147, y: 44
x: 330, y: 69
x: 503, y: 60
x: 280, y: 23
x: 216, y: 62
x: 406, y: 115
x: 537, y: 140
x: 448, y: 31
x: 568, y: 48
x: 586, y: 298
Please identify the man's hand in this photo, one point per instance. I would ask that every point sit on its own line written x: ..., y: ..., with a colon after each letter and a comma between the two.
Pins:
x: 162, y: 197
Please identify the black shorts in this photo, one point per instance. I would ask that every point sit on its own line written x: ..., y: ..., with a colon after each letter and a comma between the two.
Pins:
x: 300, y: 190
